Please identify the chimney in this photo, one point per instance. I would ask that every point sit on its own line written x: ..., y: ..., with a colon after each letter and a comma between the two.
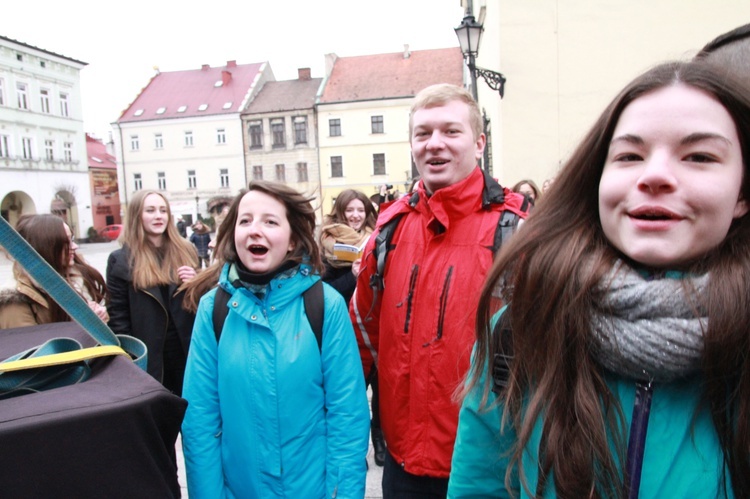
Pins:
x: 304, y: 73
x: 407, y: 53
x: 205, y: 67
x: 231, y: 64
x: 226, y: 77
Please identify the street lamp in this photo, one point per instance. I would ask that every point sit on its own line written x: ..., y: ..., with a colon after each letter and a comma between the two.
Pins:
x: 197, y: 209
x: 469, y: 35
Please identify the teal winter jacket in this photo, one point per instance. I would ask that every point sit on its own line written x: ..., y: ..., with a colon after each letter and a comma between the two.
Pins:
x: 682, y: 456
x: 269, y: 414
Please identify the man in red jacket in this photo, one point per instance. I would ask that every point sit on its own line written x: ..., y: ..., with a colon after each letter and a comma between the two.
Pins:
x: 418, y: 327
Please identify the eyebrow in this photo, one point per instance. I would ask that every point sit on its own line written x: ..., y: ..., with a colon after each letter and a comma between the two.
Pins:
x: 701, y: 136
x: 693, y: 138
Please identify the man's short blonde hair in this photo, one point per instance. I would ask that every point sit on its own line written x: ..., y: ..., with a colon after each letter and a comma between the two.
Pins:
x: 440, y: 95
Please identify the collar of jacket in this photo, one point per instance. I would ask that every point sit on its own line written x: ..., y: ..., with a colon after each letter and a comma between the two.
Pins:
x: 455, y: 201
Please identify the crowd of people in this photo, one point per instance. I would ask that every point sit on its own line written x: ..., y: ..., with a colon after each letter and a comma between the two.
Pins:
x: 585, y: 339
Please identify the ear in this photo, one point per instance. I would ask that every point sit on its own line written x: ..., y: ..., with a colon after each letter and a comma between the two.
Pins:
x: 291, y: 247
x: 480, y: 144
x: 740, y: 209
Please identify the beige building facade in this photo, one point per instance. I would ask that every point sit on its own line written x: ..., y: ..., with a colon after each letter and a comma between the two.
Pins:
x: 565, y: 61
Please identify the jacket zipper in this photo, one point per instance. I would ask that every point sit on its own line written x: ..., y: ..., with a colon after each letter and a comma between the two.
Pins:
x: 443, y: 306
x: 410, y: 295
x: 444, y: 301
x: 637, y: 440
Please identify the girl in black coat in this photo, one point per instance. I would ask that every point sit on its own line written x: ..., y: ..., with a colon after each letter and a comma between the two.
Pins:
x: 144, y: 278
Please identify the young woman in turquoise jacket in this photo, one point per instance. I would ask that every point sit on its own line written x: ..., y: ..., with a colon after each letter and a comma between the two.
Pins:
x: 272, y: 414
x: 620, y: 368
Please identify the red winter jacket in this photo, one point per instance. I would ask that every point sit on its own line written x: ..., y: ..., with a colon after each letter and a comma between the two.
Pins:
x: 420, y: 330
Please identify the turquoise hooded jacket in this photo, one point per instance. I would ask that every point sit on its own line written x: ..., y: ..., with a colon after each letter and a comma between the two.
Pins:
x: 269, y: 414
x: 682, y: 459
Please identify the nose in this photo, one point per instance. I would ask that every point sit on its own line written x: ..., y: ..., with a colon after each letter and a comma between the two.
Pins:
x: 253, y: 229
x: 436, y: 140
x: 658, y: 174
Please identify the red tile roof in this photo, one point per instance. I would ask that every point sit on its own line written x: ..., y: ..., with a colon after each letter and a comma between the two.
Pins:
x: 98, y: 155
x: 168, y: 92
x: 383, y: 76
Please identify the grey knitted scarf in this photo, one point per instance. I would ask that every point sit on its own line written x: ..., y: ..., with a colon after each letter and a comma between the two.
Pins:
x: 649, y: 330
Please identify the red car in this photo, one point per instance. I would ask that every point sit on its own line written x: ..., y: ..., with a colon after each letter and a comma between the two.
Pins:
x: 111, y: 232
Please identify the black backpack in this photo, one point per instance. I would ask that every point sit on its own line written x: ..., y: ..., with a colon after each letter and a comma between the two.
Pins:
x: 314, y: 307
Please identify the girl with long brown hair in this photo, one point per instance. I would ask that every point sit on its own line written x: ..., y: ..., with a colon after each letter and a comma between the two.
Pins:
x: 620, y: 365
x: 26, y: 303
x: 144, y: 279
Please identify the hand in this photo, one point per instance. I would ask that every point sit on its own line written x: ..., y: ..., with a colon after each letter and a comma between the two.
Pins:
x: 100, y: 311
x: 186, y: 272
x: 356, y: 266
x: 383, y: 190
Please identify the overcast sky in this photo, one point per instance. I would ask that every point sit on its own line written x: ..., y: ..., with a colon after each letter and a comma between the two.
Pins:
x: 122, y: 42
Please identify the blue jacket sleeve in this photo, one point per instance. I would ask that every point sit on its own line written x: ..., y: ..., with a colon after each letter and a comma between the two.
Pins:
x: 347, y: 410
x: 480, y: 454
x: 202, y: 427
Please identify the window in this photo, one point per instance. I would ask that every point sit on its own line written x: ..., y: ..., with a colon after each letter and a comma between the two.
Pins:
x: 158, y: 141
x: 301, y: 172
x: 49, y: 149
x: 162, y: 180
x: 44, y: 100
x: 191, y: 179
x: 68, y: 152
x: 134, y: 144
x: 257, y: 172
x: 334, y: 128
x: 2, y: 92
x: 63, y: 104
x: 4, y: 150
x: 280, y: 173
x: 221, y: 136
x: 378, y: 164
x: 337, y: 166
x: 26, y: 147
x: 21, y: 90
x: 137, y: 182
x: 188, y: 139
x: 300, y: 130
x: 277, y: 131
x: 255, y: 129
x: 377, y: 124
x: 224, y: 177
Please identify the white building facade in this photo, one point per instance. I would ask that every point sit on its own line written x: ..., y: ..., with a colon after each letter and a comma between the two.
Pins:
x: 182, y: 136
x: 43, y: 166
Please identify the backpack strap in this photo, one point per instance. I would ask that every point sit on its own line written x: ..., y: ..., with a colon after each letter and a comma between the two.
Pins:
x: 382, y: 247
x: 314, y: 310
x: 506, y: 226
x: 220, y: 311
x: 502, y: 336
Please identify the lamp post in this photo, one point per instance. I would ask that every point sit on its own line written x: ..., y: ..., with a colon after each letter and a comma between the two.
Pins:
x: 197, y: 209
x: 469, y: 35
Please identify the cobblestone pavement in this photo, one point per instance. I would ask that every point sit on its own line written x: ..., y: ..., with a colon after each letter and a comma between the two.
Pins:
x: 96, y: 255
